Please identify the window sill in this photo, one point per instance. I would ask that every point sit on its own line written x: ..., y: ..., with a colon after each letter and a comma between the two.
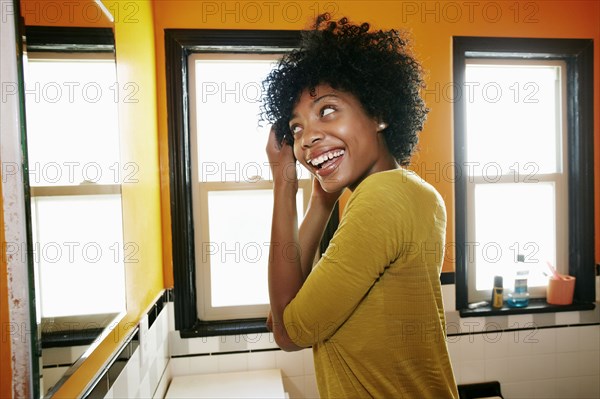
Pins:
x: 538, y: 305
x: 225, y: 327
x: 255, y: 326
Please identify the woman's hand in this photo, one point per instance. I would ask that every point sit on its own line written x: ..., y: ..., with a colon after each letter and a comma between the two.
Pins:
x: 282, y: 162
x: 322, y: 197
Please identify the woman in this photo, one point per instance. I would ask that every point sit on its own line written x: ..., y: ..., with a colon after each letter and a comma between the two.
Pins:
x: 346, y: 105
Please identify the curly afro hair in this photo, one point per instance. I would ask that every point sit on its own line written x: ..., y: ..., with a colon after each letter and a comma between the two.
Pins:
x: 377, y: 67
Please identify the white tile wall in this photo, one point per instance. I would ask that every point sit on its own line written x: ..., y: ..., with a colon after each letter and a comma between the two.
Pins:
x: 545, y: 363
x: 553, y: 362
x: 146, y: 374
x: 548, y: 363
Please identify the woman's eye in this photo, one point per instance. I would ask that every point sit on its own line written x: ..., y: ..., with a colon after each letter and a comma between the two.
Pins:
x: 295, y: 129
x: 327, y: 110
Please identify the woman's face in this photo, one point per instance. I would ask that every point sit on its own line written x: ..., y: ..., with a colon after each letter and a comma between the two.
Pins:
x: 336, y: 140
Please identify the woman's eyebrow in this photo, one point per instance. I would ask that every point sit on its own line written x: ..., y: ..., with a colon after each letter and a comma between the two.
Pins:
x: 315, y: 102
x: 323, y: 97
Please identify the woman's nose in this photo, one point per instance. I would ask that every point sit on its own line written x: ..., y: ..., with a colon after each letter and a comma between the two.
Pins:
x: 311, y: 136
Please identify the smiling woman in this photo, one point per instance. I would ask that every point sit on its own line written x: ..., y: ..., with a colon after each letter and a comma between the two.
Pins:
x: 346, y: 105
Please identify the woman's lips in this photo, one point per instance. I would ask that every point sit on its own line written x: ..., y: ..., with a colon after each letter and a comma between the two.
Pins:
x: 329, y: 166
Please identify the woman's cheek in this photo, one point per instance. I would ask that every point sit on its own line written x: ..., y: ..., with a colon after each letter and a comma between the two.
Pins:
x: 298, y: 153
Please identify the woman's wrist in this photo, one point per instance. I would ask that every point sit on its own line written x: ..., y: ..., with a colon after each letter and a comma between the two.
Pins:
x: 319, y: 210
x: 289, y: 186
x: 325, y: 204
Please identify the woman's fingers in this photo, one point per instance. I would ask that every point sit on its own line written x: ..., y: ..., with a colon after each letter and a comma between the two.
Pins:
x: 281, y: 158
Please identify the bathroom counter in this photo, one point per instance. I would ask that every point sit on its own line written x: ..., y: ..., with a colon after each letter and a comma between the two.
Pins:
x: 248, y: 384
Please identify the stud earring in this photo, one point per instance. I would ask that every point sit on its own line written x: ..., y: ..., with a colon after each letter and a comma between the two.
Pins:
x: 382, y: 125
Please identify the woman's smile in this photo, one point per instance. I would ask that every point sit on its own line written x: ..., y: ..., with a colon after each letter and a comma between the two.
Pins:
x: 326, y: 162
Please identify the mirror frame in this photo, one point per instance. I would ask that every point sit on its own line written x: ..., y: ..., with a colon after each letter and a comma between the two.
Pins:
x: 60, y: 40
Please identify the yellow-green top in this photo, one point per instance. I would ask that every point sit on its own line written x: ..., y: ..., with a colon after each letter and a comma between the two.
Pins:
x: 372, y: 306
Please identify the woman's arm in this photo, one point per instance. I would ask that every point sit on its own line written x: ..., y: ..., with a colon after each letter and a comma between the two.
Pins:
x: 285, y: 270
x: 311, y: 230
x: 292, y: 250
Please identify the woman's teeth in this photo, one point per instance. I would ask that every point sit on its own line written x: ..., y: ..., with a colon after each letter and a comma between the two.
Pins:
x: 318, y: 161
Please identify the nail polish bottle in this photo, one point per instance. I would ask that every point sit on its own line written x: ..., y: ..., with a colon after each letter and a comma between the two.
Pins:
x: 497, y: 292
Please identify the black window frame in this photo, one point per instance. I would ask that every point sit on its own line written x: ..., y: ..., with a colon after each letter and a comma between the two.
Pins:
x: 579, y: 58
x: 179, y: 44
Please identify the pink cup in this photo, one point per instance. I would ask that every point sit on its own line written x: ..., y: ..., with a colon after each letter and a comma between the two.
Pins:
x: 560, y: 290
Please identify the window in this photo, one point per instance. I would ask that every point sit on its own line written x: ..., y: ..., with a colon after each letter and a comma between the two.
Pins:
x: 73, y: 161
x: 523, y: 140
x: 517, y: 177
x: 232, y: 191
x: 220, y: 188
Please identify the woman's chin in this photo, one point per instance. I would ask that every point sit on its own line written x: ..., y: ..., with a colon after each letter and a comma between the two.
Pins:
x: 331, y: 186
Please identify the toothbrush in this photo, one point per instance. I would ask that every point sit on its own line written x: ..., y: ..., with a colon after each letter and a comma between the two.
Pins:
x: 555, y: 275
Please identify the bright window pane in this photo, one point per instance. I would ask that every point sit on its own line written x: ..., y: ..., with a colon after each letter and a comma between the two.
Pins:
x: 512, y: 119
x: 80, y: 253
x: 238, y: 250
x: 513, y: 219
x: 71, y: 109
x: 231, y: 144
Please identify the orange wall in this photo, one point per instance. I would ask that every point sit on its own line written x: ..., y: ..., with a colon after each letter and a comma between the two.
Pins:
x: 432, y: 25
x: 141, y: 197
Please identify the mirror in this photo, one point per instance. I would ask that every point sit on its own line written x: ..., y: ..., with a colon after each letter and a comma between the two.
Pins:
x: 72, y: 149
